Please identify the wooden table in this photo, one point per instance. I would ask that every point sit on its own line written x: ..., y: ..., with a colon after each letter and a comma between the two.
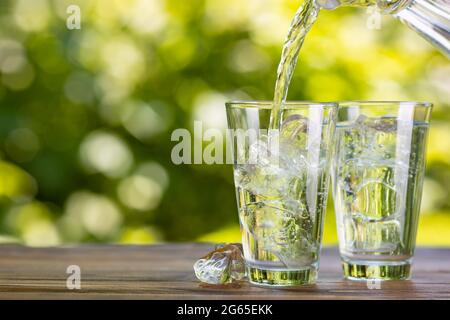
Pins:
x: 165, y: 272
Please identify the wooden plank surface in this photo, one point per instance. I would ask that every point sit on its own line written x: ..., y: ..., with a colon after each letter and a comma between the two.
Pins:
x: 165, y: 272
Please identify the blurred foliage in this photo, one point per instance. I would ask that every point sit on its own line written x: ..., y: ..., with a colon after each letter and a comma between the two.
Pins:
x: 86, y: 115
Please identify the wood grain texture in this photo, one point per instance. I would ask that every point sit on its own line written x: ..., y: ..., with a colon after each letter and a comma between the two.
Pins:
x: 165, y: 272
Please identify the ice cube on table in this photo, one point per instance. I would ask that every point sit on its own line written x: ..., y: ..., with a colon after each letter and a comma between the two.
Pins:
x: 224, y: 264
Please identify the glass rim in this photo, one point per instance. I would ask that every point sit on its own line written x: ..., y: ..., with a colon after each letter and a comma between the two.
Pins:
x: 267, y: 104
x: 384, y: 103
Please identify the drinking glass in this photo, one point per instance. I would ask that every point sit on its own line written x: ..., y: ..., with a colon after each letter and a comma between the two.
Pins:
x: 377, y: 176
x: 281, y: 179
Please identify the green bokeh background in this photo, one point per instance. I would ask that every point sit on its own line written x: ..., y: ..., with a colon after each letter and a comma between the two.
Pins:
x: 86, y: 115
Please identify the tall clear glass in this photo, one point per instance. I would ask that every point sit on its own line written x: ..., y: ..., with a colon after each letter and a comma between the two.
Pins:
x: 281, y: 179
x: 377, y: 176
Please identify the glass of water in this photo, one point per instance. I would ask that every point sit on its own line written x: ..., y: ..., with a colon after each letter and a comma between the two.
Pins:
x: 281, y: 178
x: 377, y: 177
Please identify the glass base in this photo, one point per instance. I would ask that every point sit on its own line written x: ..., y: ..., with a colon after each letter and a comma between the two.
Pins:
x: 392, y: 271
x: 282, y: 278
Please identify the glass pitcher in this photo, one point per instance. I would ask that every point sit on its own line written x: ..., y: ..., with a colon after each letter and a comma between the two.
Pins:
x: 429, y: 18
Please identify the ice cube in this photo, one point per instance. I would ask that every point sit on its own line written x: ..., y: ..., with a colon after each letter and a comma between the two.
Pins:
x: 367, y: 186
x: 384, y: 124
x: 242, y: 175
x: 263, y: 175
x: 261, y: 153
x: 294, y: 131
x: 274, y: 168
x: 349, y: 175
x: 224, y: 264
x: 351, y: 141
x: 379, y: 136
x: 283, y: 229
x: 375, y: 199
x: 237, y: 268
x: 293, y: 143
x: 261, y: 181
x: 213, y: 270
x: 377, y: 236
